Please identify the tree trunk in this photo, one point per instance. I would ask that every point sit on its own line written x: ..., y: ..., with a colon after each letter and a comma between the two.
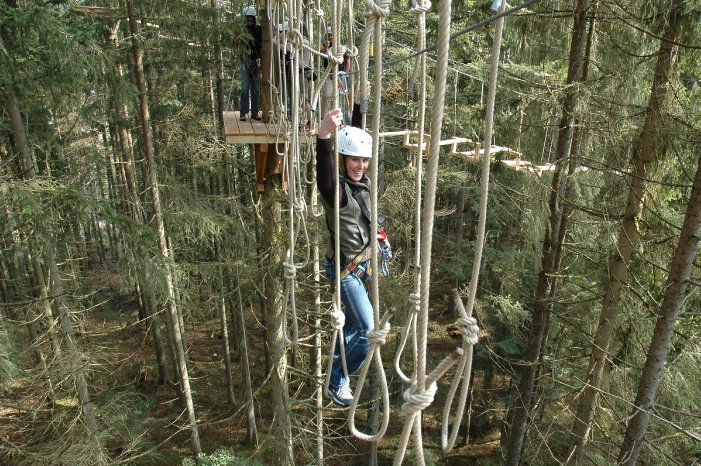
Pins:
x: 675, y: 290
x: 251, y: 431
x: 645, y: 152
x: 227, y: 353
x: 273, y: 256
x: 544, y: 287
x: 219, y: 70
x: 160, y: 227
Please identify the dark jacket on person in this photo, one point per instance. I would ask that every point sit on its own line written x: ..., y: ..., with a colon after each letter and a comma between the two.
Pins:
x: 255, y: 42
x: 354, y: 201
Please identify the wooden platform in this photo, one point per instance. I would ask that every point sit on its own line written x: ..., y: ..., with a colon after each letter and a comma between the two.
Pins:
x: 253, y: 131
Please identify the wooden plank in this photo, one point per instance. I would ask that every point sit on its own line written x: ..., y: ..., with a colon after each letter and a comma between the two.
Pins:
x: 255, y: 131
x: 455, y: 140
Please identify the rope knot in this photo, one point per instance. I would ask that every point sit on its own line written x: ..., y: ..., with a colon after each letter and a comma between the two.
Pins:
x: 288, y: 266
x: 415, y: 401
x: 317, y: 11
x: 415, y: 298
x: 295, y: 37
x: 467, y: 326
x: 299, y: 205
x: 338, y: 319
x: 338, y: 59
x: 418, y: 9
x: 290, y: 270
x: 379, y: 336
x: 381, y: 9
x: 352, y: 51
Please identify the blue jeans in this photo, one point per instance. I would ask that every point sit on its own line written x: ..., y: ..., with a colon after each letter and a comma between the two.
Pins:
x: 495, y: 5
x: 250, y: 88
x: 359, y: 321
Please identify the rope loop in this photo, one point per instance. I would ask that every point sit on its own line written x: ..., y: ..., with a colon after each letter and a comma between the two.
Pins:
x: 420, y: 9
x: 379, y: 336
x: 415, y: 299
x: 467, y: 326
x: 381, y: 9
x: 415, y: 400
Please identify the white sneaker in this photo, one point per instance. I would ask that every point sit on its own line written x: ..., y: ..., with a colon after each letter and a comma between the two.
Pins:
x: 342, y: 395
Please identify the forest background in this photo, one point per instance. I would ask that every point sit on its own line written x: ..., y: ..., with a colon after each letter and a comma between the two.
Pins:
x: 145, y: 309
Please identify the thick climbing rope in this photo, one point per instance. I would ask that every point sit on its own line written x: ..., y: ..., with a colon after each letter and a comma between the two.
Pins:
x: 338, y: 318
x: 377, y: 11
x: 467, y: 325
x: 423, y: 387
x: 293, y: 163
x: 419, y: 9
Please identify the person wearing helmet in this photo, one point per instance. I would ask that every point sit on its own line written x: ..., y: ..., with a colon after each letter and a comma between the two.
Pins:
x: 250, y: 66
x: 353, y: 186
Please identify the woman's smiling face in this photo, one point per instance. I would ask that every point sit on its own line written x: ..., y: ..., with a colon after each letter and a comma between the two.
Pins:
x: 356, y: 167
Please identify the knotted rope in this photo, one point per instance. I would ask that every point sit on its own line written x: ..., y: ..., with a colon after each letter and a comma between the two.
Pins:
x: 418, y: 8
x: 413, y: 421
x: 376, y: 12
x: 376, y: 338
x: 466, y: 324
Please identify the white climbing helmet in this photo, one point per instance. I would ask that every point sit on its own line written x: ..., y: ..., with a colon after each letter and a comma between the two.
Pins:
x: 249, y: 11
x: 354, y: 142
x: 329, y: 30
x: 283, y: 26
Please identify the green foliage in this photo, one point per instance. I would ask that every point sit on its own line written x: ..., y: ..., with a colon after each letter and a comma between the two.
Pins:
x: 125, y: 414
x: 45, y: 49
x: 223, y: 457
x: 8, y: 356
x: 507, y: 311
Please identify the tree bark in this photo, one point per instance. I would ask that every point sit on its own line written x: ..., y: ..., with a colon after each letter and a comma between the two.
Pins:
x: 644, y: 153
x: 227, y: 353
x: 251, y: 430
x: 545, y: 284
x: 160, y: 227
x: 675, y: 290
x: 219, y: 70
x: 273, y: 256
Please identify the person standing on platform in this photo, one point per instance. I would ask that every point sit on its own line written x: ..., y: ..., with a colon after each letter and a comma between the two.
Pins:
x: 250, y: 66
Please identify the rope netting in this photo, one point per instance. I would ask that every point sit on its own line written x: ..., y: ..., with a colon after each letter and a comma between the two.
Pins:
x: 291, y: 97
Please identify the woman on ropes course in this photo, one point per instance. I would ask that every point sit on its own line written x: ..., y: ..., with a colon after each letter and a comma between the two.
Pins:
x: 355, y: 147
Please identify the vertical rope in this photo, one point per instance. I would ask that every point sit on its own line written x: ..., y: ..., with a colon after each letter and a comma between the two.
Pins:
x: 419, y: 9
x: 466, y: 323
x: 375, y: 14
x: 423, y: 388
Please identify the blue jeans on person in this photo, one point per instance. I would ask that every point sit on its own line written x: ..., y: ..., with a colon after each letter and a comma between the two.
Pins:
x: 495, y: 5
x: 359, y: 321
x: 250, y: 88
